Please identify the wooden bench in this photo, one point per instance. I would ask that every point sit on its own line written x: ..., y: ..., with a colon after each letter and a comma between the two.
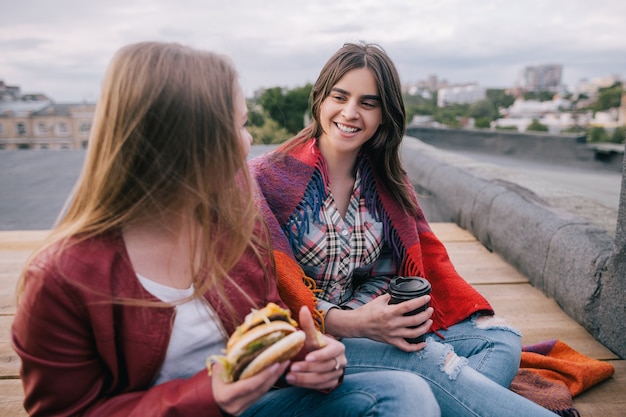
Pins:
x: 537, y: 316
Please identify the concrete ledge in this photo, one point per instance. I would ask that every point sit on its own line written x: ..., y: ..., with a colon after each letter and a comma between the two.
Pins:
x: 563, y: 254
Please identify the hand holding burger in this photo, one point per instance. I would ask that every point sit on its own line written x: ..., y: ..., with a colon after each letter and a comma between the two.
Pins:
x: 267, y: 336
x: 321, y: 369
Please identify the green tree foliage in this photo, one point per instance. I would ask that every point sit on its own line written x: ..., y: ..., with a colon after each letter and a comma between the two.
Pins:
x: 609, y: 97
x: 574, y: 129
x: 597, y: 134
x: 268, y: 133
x: 419, y: 105
x: 483, y: 109
x: 450, y: 115
x: 287, y: 107
x: 500, y: 98
x: 263, y: 129
x: 619, y: 135
x: 539, y: 95
x: 256, y: 117
x: 482, y: 123
x: 536, y: 126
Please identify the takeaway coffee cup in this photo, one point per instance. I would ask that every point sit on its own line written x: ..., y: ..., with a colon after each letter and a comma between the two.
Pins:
x: 407, y: 288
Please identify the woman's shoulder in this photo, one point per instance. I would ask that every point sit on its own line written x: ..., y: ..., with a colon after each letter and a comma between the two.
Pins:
x: 78, y: 257
x: 265, y: 161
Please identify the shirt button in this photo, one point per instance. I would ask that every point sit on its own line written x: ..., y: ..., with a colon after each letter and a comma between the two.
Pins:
x: 344, y: 232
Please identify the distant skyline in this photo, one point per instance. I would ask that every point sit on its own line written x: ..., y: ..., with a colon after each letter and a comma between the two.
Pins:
x: 62, y: 48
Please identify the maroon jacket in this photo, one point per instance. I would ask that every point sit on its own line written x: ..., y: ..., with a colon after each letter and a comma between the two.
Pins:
x: 84, y: 355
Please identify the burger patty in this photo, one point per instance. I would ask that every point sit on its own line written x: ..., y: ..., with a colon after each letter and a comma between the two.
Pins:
x: 253, y: 350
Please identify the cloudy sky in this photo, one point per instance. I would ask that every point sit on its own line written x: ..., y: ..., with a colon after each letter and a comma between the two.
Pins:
x: 61, y: 48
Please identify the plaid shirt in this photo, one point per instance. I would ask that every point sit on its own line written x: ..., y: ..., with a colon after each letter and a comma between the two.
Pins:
x: 347, y: 257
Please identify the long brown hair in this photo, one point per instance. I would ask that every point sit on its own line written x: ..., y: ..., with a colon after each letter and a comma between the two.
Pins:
x: 164, y: 132
x: 383, y: 148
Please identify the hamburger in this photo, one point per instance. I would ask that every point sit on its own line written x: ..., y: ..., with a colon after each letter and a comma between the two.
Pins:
x: 266, y: 336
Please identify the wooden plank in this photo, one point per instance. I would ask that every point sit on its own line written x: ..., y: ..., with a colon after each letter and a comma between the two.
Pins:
x: 540, y: 318
x: 606, y: 399
x: 18, y: 240
x: 11, y: 397
x: 9, y: 361
x: 13, y: 260
x: 11, y: 264
x: 451, y: 232
x: 479, y: 266
x: 7, y: 295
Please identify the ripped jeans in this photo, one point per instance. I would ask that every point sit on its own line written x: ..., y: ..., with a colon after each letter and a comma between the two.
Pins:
x: 460, y: 389
x: 491, y: 346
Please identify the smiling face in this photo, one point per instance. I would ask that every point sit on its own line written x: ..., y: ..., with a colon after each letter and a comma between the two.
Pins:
x: 350, y: 115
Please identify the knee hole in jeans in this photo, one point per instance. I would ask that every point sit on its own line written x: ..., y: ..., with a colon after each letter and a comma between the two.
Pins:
x: 450, y: 363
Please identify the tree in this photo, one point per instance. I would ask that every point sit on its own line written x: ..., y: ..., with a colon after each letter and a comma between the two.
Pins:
x: 287, y: 107
x: 598, y: 134
x: 500, y: 98
x: 268, y: 133
x: 449, y: 116
x: 539, y: 95
x: 417, y: 104
x: 483, y: 109
x: 536, y: 126
x: 256, y: 117
x: 609, y: 97
x: 619, y: 134
x: 514, y: 128
x: 482, y: 123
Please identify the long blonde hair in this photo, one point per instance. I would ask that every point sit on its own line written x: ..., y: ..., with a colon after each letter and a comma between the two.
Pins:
x: 164, y: 132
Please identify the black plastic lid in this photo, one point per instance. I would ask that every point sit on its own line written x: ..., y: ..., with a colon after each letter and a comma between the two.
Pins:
x: 414, y: 286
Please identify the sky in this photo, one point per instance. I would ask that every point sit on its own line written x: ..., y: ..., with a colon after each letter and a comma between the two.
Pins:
x: 61, y: 48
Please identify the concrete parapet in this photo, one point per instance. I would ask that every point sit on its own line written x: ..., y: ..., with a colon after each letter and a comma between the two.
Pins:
x: 565, y: 255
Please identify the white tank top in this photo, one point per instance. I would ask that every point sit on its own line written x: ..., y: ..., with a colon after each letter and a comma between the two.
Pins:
x: 197, y: 332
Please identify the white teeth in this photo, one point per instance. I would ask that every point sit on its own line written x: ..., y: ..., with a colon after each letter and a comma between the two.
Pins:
x: 346, y: 129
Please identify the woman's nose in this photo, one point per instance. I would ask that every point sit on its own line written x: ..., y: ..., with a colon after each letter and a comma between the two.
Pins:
x: 350, y: 111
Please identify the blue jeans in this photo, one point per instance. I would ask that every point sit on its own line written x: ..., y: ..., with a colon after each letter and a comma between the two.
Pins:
x: 367, y: 394
x: 459, y: 389
x: 492, y: 348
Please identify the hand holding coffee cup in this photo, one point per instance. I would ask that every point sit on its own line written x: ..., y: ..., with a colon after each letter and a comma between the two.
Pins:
x: 407, y: 288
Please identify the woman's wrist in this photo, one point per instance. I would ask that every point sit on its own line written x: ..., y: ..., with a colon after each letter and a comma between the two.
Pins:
x: 342, y: 323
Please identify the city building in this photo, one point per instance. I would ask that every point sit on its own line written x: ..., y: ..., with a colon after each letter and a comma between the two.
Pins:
x: 460, y: 94
x: 590, y: 87
x: 542, y: 77
x: 34, y: 121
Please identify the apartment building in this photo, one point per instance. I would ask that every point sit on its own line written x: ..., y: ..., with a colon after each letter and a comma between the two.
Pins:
x: 33, y: 121
x: 460, y: 94
x: 542, y: 77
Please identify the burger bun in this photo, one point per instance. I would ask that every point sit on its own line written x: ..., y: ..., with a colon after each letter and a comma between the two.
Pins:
x: 285, y: 349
